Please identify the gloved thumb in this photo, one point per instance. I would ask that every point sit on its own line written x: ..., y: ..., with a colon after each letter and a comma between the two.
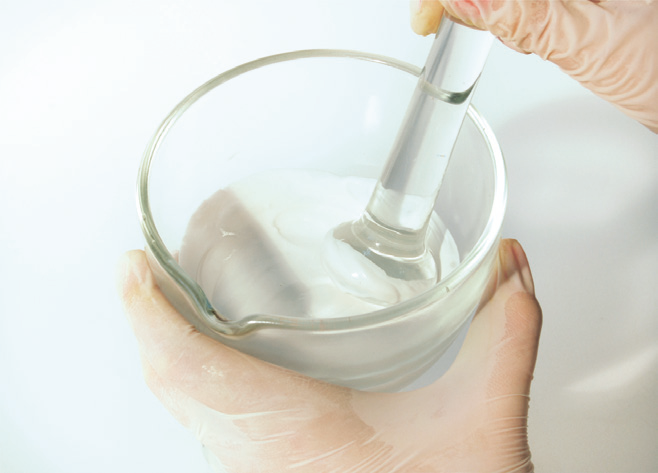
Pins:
x: 501, y: 346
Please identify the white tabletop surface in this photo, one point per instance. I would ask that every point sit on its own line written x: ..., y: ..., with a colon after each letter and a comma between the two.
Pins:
x: 83, y: 85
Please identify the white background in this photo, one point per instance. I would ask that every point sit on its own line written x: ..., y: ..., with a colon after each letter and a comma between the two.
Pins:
x: 84, y: 84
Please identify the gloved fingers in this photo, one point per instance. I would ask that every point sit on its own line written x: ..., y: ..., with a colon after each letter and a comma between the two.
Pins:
x: 607, y: 46
x: 425, y: 16
x: 220, y: 377
x: 532, y: 25
x: 500, y: 349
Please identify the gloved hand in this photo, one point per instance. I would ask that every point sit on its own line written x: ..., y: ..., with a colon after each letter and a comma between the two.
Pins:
x: 609, y: 46
x: 257, y: 417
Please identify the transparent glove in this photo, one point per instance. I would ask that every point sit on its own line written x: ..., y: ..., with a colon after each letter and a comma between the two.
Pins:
x: 609, y: 46
x: 257, y: 417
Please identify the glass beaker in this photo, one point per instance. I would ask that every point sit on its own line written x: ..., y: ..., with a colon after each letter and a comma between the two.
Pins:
x: 334, y: 111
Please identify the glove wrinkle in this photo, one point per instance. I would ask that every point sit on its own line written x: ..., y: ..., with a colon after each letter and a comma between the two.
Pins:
x: 607, y: 46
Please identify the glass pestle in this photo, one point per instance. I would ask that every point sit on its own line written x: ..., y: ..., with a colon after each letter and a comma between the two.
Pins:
x: 382, y: 256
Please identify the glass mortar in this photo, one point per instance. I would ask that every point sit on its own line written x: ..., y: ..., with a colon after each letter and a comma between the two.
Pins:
x: 336, y: 111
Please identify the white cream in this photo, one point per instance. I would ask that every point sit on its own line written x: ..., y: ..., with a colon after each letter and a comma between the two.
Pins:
x: 256, y: 246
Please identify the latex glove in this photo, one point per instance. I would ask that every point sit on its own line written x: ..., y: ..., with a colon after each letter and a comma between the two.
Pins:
x: 257, y: 417
x: 609, y: 46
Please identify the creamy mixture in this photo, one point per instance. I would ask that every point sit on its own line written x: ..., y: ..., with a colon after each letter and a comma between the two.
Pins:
x: 256, y: 247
